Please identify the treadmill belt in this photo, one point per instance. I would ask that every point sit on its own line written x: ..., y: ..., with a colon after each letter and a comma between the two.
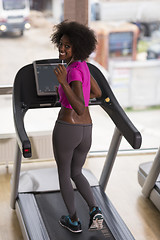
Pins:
x: 51, y: 207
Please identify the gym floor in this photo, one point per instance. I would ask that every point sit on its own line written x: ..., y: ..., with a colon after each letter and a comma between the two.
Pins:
x: 139, y: 214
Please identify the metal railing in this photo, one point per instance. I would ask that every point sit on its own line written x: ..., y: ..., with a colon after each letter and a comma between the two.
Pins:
x: 6, y: 89
x: 124, y: 152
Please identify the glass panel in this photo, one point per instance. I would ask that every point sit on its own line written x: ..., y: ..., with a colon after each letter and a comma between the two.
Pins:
x: 13, y: 4
x: 134, y: 85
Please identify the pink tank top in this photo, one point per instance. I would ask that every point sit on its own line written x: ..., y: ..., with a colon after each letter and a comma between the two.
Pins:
x: 77, y: 71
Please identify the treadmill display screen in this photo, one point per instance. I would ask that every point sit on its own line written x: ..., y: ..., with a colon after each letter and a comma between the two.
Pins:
x: 46, y: 80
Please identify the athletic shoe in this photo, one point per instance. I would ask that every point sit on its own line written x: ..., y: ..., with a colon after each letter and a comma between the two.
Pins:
x: 74, y: 227
x: 96, y: 219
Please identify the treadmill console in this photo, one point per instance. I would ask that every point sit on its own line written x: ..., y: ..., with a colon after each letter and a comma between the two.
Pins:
x: 46, y: 80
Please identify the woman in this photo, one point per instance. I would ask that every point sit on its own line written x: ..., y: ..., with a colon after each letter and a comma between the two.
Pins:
x: 73, y: 128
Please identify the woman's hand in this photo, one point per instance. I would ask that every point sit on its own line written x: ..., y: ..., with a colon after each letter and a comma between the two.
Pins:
x: 61, y: 74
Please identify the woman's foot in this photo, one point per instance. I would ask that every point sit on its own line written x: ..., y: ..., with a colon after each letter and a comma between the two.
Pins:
x: 96, y: 219
x: 74, y: 227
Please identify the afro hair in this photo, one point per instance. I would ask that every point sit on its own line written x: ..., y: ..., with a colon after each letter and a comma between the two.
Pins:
x: 82, y: 38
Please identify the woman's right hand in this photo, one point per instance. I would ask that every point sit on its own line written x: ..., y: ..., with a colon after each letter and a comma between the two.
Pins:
x: 61, y: 74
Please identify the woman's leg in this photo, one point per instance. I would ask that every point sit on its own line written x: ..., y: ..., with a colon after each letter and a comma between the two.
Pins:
x: 78, y: 161
x: 79, y: 157
x: 65, y: 139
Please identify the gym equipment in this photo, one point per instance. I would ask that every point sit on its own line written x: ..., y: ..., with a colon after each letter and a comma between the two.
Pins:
x: 36, y: 194
x: 149, y: 179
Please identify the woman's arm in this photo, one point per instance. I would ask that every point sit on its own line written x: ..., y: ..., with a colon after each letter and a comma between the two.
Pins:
x: 73, y: 91
x: 95, y: 91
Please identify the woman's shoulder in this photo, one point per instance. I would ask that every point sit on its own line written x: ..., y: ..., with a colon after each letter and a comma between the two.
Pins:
x: 78, y: 69
x: 78, y: 64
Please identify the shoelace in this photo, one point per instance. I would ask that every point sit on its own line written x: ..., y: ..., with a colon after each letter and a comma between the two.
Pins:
x: 94, y: 209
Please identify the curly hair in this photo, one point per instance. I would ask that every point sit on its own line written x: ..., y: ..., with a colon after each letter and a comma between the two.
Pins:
x: 82, y: 38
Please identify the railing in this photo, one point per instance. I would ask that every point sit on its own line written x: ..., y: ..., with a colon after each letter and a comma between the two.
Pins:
x: 124, y: 152
x: 6, y: 89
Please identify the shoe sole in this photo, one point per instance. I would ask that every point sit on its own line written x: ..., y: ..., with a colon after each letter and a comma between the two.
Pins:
x: 97, y: 222
x: 78, y: 231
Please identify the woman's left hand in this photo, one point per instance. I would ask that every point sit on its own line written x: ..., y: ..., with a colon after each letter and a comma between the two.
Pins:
x: 61, y: 73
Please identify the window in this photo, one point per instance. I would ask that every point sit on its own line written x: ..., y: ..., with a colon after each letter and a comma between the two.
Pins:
x: 120, y: 44
x: 13, y: 4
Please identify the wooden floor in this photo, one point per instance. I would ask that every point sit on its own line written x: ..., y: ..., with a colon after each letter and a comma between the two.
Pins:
x: 139, y: 214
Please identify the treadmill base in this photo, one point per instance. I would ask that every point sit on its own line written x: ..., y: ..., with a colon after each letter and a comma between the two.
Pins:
x: 41, y: 213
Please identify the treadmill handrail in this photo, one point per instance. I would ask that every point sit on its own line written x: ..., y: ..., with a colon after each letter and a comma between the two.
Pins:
x: 25, y: 97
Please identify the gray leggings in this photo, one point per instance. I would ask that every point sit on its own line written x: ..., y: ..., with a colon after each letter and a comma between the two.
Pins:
x: 71, y: 143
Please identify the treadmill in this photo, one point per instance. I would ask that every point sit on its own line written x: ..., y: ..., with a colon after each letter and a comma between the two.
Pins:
x: 149, y: 179
x: 36, y: 194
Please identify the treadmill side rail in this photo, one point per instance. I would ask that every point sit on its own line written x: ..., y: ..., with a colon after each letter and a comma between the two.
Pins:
x: 34, y: 225
x: 21, y: 222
